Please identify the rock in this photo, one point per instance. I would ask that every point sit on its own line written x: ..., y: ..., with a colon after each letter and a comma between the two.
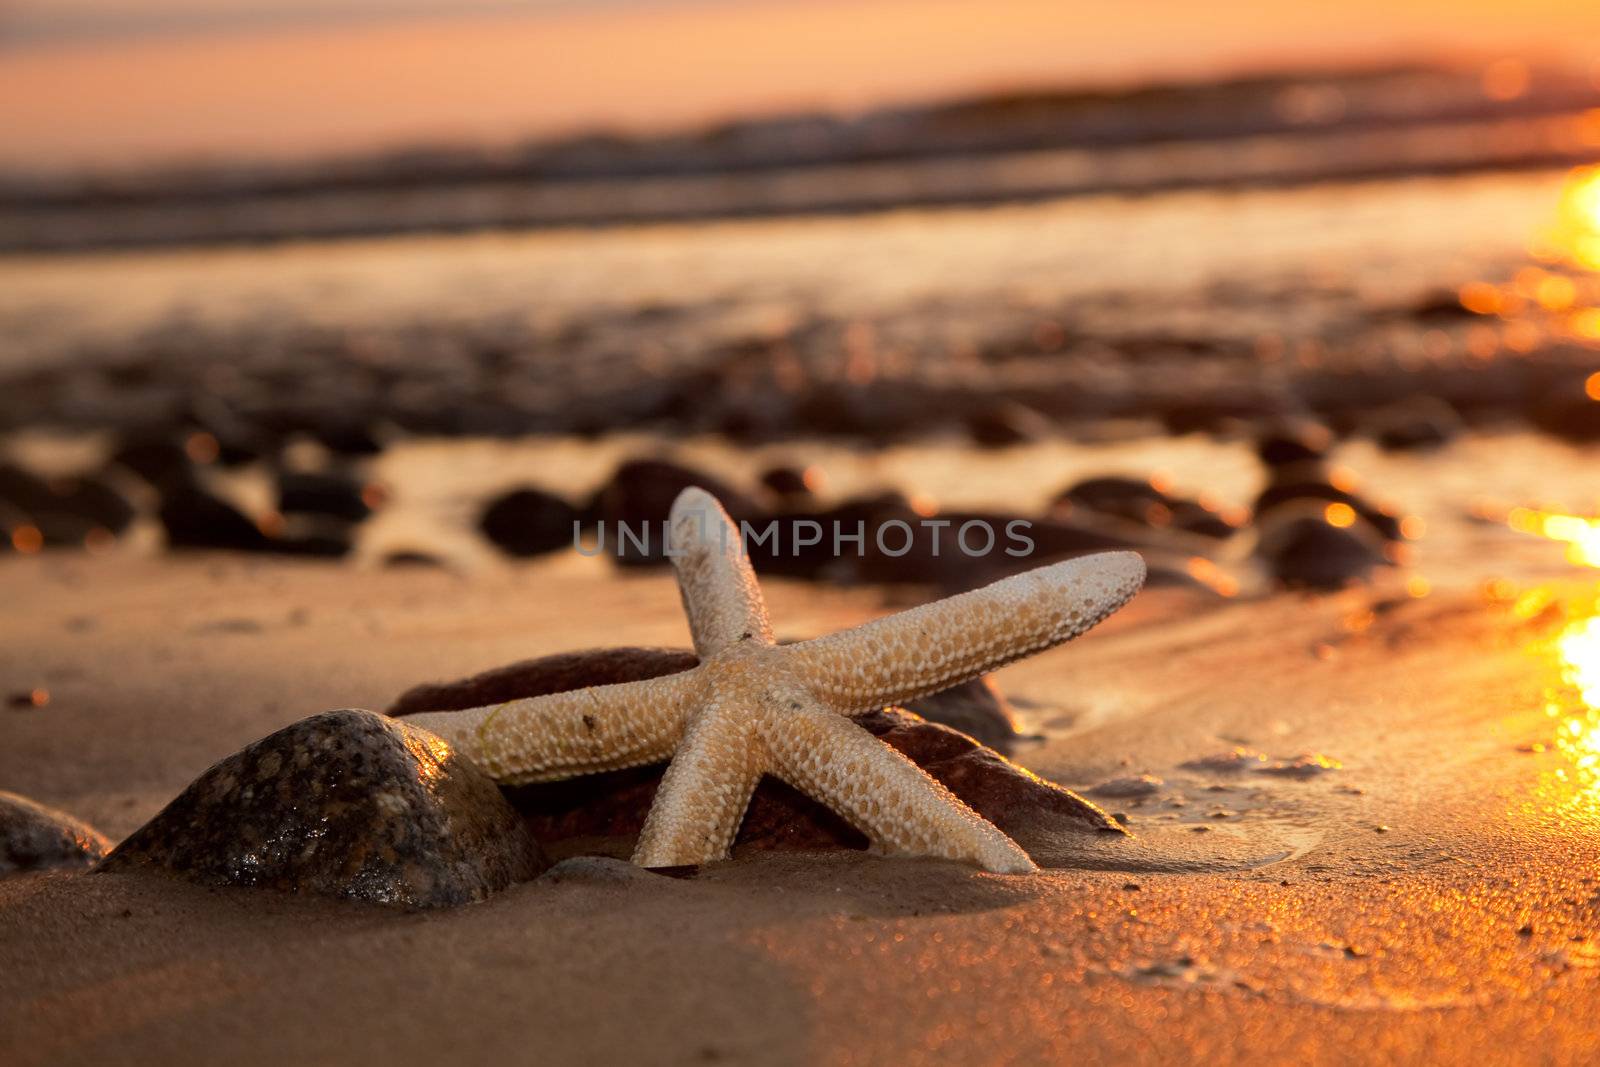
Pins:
x: 1145, y: 503
x: 792, y: 485
x: 1139, y: 785
x: 614, y: 805
x: 1294, y: 442
x: 36, y: 838
x: 327, y: 493
x: 1416, y: 424
x: 528, y: 522
x: 547, y: 674
x: 1126, y: 498
x: 1302, y: 495
x: 1196, y: 518
x: 1568, y: 411
x: 342, y: 804
x: 1006, y: 424
x: 597, y: 871
x: 976, y: 708
x: 65, y: 510
x: 784, y: 554
x: 193, y: 517
x: 640, y: 495
x: 159, y: 457
x: 1303, y: 550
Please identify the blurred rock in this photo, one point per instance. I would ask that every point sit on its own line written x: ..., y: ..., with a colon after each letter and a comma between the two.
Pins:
x: 343, y: 804
x: 1005, y: 424
x: 546, y: 674
x: 1301, y: 549
x: 640, y: 495
x: 792, y: 485
x: 194, y: 517
x: 36, y: 838
x: 330, y: 493
x: 1415, y: 424
x: 1294, y: 442
x: 1300, y: 495
x: 1134, y: 499
x: 528, y: 522
x: 65, y: 510
x: 157, y: 456
x: 1568, y: 412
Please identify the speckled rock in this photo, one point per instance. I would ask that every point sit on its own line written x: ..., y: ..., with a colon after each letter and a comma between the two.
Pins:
x: 614, y: 805
x: 342, y: 804
x: 546, y: 674
x: 36, y: 838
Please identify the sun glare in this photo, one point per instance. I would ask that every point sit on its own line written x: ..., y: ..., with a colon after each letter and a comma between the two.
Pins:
x: 1581, y: 535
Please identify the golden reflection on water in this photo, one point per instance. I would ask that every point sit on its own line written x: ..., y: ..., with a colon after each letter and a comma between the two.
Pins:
x: 1575, y: 235
x: 1574, y: 708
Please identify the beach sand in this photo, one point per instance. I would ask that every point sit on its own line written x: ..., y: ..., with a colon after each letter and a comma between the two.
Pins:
x: 1434, y: 898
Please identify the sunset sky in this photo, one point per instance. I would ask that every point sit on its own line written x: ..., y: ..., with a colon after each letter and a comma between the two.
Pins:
x: 130, y: 82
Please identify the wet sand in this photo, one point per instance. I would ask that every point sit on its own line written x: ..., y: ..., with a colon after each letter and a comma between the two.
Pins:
x: 1435, y: 897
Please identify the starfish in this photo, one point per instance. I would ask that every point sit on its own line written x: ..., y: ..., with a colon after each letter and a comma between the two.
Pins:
x: 753, y: 707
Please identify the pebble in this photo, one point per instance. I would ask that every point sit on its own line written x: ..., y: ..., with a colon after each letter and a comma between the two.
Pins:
x: 35, y: 838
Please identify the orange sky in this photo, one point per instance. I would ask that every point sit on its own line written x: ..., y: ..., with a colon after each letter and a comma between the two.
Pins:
x: 348, y: 86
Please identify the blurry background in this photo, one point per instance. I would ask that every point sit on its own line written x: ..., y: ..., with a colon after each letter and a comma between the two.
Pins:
x: 415, y: 281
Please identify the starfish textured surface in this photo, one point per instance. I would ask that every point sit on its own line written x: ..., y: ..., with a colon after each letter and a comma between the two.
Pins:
x: 753, y: 708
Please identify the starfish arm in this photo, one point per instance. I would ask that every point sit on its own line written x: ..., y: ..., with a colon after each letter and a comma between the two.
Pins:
x: 583, y: 731
x: 935, y: 646
x: 719, y: 589
x: 703, y: 796
x: 898, y: 805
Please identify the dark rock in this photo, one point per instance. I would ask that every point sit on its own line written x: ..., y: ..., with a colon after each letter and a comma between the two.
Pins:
x: 1126, y: 498
x: 412, y: 557
x: 1300, y: 442
x: 1422, y: 422
x: 1196, y: 518
x: 547, y: 674
x: 528, y: 522
x: 640, y: 495
x: 193, y: 517
x: 159, y: 457
x: 1299, y: 495
x: 792, y: 485
x: 1006, y: 424
x: 1567, y: 411
x: 317, y: 540
x: 1303, y: 550
x: 343, y: 804
x: 614, y: 805
x: 1142, y: 502
x: 976, y: 708
x: 327, y: 493
x: 35, y: 838
x: 65, y: 510
x: 349, y: 437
